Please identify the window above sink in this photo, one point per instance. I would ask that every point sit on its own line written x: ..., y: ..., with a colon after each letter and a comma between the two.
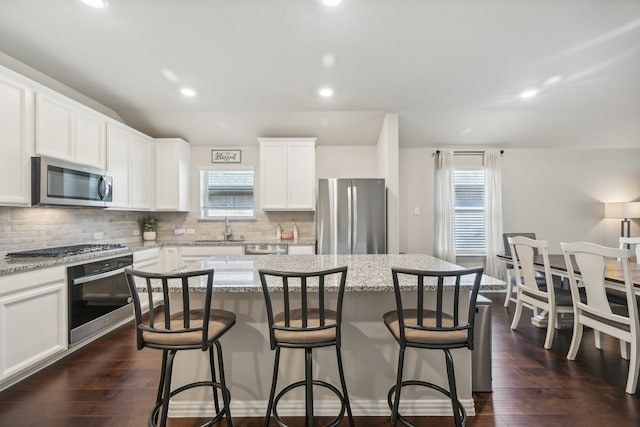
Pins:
x: 227, y: 193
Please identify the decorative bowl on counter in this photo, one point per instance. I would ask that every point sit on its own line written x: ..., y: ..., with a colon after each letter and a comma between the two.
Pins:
x: 287, y: 234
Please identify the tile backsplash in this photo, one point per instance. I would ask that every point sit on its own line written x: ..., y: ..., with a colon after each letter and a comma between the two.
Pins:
x: 34, y: 228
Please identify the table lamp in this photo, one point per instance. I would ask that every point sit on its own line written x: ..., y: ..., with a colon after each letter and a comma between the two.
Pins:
x: 624, y: 211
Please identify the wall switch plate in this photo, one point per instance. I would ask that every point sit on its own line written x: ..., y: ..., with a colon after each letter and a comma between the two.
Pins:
x: 191, y: 231
x: 98, y: 235
x: 178, y: 231
x: 416, y: 211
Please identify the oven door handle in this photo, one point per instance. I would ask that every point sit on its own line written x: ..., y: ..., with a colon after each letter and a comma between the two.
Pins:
x: 85, y: 279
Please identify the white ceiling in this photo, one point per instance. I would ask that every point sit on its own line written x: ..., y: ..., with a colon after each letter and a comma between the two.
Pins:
x: 442, y: 65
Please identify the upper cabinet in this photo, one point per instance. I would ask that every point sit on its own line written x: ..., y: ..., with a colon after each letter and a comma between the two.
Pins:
x: 131, y: 162
x: 287, y: 174
x: 172, y: 174
x: 69, y: 131
x: 16, y: 139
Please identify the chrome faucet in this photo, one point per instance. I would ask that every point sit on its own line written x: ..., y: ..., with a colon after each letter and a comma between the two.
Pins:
x: 228, y: 234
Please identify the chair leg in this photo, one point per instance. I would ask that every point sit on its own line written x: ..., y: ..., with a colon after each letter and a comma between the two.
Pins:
x: 634, y: 367
x: 455, y: 404
x: 168, y: 369
x: 344, y: 386
x: 226, y: 398
x: 308, y: 392
x: 597, y: 338
x: 550, y: 328
x: 507, y: 297
x: 624, y: 349
x: 575, y: 339
x: 272, y: 394
x: 396, y: 400
x: 213, y: 378
x: 517, y: 314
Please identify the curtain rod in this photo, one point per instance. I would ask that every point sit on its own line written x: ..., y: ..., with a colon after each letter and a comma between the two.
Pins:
x: 469, y: 152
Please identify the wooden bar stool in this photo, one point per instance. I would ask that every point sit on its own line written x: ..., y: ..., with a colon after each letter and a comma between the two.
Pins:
x: 412, y: 325
x: 309, y: 323
x: 186, y: 329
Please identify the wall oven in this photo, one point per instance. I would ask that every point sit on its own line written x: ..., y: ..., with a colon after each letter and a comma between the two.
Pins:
x: 98, y: 296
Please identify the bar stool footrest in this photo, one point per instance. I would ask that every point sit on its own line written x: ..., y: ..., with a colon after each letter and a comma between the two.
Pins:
x: 216, y: 417
x: 303, y: 383
x: 458, y: 405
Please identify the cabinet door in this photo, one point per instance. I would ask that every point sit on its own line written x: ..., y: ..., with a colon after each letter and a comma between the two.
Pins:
x: 16, y: 139
x: 89, y: 139
x: 141, y: 172
x: 54, y: 124
x: 301, y: 176
x: 194, y: 253
x: 273, y: 175
x: 301, y: 250
x: 148, y: 260
x: 172, y: 174
x: 118, y: 165
x: 33, y: 322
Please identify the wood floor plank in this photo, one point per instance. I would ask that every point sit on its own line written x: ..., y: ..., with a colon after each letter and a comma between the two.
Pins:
x: 111, y: 384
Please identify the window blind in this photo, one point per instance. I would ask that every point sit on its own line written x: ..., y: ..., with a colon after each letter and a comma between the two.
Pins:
x: 470, y: 234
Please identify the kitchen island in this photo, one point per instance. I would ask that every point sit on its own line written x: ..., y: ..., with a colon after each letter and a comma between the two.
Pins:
x: 369, y: 351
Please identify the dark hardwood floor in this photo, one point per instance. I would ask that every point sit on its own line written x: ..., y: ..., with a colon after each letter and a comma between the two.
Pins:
x: 109, y: 383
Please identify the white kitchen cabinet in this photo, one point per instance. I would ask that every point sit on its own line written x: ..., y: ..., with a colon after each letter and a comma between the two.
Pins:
x: 130, y: 160
x: 301, y: 250
x: 33, y: 318
x: 287, y: 174
x: 142, y: 172
x: 16, y: 139
x: 149, y: 260
x: 69, y: 131
x: 194, y: 253
x: 172, y: 174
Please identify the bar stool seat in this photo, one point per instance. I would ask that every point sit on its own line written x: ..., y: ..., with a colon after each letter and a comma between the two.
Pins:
x: 413, y: 325
x: 308, y: 323
x: 186, y: 329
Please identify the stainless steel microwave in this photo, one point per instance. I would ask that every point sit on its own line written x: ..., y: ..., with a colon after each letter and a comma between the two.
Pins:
x: 56, y: 182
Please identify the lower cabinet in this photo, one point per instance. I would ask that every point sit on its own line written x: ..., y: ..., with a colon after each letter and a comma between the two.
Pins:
x: 33, y: 319
x: 149, y: 260
x: 301, y: 250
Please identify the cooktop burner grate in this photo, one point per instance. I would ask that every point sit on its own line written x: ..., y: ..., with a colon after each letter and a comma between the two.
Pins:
x: 63, y: 251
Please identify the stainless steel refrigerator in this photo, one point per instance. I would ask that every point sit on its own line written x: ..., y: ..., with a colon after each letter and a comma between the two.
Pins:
x: 351, y: 216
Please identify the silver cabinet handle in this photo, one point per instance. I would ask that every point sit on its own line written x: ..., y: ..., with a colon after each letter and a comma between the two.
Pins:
x: 85, y: 279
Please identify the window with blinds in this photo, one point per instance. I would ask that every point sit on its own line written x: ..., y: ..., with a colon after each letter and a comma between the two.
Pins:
x: 469, y: 212
x: 227, y: 193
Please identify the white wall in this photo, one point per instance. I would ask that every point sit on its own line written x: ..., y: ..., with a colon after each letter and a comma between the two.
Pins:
x: 347, y: 162
x: 388, y: 146
x: 558, y: 194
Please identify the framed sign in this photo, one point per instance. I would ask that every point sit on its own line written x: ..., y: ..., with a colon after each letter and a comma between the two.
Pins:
x: 226, y: 156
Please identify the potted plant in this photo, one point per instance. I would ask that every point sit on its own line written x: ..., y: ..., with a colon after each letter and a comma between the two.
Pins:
x: 149, y: 227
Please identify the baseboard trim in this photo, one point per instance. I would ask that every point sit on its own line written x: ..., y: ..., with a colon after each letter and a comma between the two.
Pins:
x: 288, y: 408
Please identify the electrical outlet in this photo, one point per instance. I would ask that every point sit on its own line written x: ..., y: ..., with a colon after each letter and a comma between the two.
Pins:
x: 136, y: 232
x: 191, y: 231
x: 178, y: 231
x: 416, y: 211
x: 98, y: 235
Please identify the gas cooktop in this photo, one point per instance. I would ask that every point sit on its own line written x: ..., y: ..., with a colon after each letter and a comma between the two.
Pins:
x: 62, y: 251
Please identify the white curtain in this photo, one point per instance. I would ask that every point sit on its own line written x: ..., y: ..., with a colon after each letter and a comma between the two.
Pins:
x: 493, y: 209
x: 445, y: 242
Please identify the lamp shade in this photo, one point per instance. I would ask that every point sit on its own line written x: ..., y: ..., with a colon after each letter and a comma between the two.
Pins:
x: 622, y: 210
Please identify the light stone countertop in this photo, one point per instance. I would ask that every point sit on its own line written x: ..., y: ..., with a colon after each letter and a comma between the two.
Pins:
x: 366, y: 273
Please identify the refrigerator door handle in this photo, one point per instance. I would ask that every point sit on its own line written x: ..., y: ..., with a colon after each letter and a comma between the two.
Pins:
x: 349, y: 212
x: 354, y: 190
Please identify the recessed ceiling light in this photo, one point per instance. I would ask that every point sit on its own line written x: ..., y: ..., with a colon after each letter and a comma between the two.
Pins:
x: 98, y: 4
x: 325, y: 92
x: 331, y: 3
x: 187, y: 91
x: 529, y: 93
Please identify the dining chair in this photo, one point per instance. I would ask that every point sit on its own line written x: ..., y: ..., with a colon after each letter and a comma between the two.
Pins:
x: 529, y: 292
x: 596, y: 311
x: 511, y: 281
x: 631, y: 241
